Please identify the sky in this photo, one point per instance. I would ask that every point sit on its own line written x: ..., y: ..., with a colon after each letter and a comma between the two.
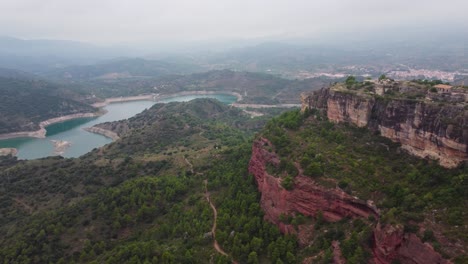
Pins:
x: 153, y: 21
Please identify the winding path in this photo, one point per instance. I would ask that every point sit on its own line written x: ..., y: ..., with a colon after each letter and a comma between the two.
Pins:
x: 213, y: 229
x: 190, y: 165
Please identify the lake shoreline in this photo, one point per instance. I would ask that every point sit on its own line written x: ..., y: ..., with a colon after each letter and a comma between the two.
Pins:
x: 41, y: 133
x: 103, y: 132
x: 8, y: 151
x: 156, y: 97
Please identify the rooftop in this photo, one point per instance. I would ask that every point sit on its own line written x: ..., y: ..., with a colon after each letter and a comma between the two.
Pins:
x: 442, y: 86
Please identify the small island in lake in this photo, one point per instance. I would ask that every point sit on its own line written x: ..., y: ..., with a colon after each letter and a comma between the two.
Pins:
x: 60, y: 146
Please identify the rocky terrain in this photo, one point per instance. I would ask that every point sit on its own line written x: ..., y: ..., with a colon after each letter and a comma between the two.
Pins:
x: 308, y: 198
x: 102, y: 131
x: 426, y: 123
x: 340, y: 161
x: 8, y: 151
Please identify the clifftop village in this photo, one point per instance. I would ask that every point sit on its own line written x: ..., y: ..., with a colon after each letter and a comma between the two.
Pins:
x: 434, y: 91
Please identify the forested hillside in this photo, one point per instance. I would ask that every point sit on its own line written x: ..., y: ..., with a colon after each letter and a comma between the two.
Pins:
x: 142, y: 198
x: 379, y: 202
x: 255, y: 87
x: 26, y: 100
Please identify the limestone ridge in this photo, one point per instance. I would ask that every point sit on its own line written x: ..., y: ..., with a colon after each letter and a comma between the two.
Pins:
x: 427, y: 121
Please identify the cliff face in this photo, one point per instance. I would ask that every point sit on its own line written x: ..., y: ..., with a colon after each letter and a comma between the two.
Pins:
x: 392, y: 243
x: 424, y: 129
x: 307, y: 197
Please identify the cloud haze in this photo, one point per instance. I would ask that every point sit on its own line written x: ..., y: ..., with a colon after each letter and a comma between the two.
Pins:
x: 127, y: 21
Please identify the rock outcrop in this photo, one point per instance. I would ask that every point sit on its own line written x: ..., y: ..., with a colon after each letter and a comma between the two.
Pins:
x: 424, y: 128
x: 307, y: 198
x: 101, y: 131
x: 8, y: 151
x: 392, y: 243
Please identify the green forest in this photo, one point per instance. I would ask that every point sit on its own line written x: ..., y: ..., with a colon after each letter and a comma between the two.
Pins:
x: 135, y: 201
x: 142, y: 199
x: 25, y: 102
x: 416, y: 193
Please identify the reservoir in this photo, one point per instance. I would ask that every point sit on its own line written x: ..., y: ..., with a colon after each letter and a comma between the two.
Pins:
x: 83, y: 141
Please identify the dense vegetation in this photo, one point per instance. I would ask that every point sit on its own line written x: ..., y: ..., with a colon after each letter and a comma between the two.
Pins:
x: 26, y: 101
x: 260, y: 87
x: 128, y: 204
x: 142, y: 198
x: 416, y: 193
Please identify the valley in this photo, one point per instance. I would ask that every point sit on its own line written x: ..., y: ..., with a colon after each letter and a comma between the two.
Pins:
x: 76, y: 132
x: 281, y: 188
x: 245, y: 132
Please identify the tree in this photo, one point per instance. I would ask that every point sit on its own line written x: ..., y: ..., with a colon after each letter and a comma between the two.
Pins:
x: 287, y: 182
x: 167, y: 258
x: 290, y: 258
x: 252, y: 258
x: 256, y: 243
x: 350, y: 81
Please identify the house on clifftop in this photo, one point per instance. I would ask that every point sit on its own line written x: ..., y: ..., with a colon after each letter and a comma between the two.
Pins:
x: 443, y: 88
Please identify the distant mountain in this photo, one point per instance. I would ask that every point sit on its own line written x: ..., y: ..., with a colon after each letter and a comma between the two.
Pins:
x: 350, y: 56
x: 26, y: 100
x: 11, y: 73
x: 435, y: 54
x: 39, y: 55
x: 121, y: 68
x: 255, y: 87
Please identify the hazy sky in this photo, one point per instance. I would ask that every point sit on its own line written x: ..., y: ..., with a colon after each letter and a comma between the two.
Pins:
x: 127, y: 21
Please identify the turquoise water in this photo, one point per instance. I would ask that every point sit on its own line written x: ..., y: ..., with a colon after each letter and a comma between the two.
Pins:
x: 83, y: 141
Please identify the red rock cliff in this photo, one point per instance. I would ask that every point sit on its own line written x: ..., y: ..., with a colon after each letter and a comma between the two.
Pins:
x: 392, y: 243
x: 425, y: 129
x: 308, y: 198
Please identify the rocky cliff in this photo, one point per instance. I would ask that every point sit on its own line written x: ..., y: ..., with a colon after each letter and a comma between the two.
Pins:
x: 392, y: 243
x: 307, y: 197
x: 425, y: 128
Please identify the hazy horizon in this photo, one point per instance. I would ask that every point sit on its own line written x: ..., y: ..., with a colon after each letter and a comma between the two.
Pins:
x: 145, y: 24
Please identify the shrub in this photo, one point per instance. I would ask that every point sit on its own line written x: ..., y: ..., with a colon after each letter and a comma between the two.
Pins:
x: 287, y: 182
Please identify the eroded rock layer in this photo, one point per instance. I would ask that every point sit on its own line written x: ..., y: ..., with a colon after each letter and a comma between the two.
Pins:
x: 425, y: 129
x: 391, y: 243
x: 307, y: 197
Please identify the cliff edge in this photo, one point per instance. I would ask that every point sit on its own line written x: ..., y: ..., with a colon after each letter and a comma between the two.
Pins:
x: 307, y: 197
x: 427, y: 121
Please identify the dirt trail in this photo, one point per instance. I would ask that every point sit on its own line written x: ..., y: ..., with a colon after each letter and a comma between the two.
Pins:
x: 190, y: 165
x: 213, y: 229
x: 26, y: 206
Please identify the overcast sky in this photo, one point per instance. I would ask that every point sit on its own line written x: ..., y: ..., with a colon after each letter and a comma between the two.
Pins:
x: 127, y: 21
